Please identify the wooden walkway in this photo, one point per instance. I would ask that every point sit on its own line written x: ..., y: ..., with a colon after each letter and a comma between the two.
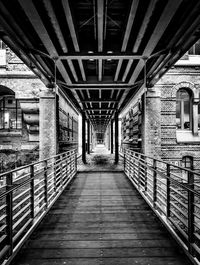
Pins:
x: 100, y: 219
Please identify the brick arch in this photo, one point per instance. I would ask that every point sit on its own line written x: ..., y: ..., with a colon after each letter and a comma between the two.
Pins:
x: 187, y: 85
x: 4, y: 90
x: 187, y: 153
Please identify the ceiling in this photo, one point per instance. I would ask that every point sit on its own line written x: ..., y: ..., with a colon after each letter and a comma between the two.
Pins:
x: 100, y: 52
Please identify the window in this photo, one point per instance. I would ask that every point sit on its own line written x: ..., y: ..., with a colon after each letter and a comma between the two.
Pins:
x: 187, y: 162
x: 2, y: 45
x: 183, y: 110
x: 195, y: 49
x: 10, y: 113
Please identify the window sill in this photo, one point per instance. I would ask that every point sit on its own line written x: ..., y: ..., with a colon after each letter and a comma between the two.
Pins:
x: 184, y: 136
x: 10, y: 133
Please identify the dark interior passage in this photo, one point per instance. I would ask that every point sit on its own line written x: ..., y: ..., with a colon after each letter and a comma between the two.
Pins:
x: 100, y: 219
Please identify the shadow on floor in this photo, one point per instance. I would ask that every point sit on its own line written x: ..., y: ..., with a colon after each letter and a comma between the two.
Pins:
x: 100, y: 159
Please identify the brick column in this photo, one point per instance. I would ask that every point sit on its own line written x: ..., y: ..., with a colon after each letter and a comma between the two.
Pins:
x: 48, y: 132
x: 151, y: 134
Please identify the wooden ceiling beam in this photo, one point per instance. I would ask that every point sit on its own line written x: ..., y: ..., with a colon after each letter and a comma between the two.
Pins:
x: 129, y: 25
x: 119, y: 65
x: 21, y: 40
x: 100, y: 34
x: 37, y: 24
x: 102, y: 56
x: 97, y: 109
x: 144, y: 25
x: 99, y: 100
x: 100, y: 24
x: 69, y: 18
x: 128, y: 67
x: 166, y: 16
x: 183, y: 35
x: 100, y: 69
x: 97, y: 86
x: 55, y: 25
x: 73, y: 71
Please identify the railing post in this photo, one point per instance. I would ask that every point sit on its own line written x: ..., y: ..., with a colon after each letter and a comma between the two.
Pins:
x: 70, y: 161
x: 134, y: 166
x: 75, y: 162
x: 154, y: 181
x: 45, y: 183
x: 9, y: 212
x: 139, y: 171
x: 61, y: 170
x: 124, y: 160
x: 168, y: 191
x: 190, y: 212
x: 32, y: 191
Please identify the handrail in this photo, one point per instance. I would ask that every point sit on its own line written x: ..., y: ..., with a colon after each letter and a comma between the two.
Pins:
x: 26, y: 195
x: 173, y: 193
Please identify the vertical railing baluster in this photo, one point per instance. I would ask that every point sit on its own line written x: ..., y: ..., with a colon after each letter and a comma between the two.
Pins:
x: 45, y: 183
x: 154, y: 182
x: 9, y: 212
x: 168, y: 191
x: 190, y: 212
x: 32, y: 192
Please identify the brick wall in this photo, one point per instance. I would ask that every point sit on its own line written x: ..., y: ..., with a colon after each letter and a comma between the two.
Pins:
x: 171, y: 150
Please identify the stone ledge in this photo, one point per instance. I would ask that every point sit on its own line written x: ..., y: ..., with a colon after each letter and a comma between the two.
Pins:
x: 183, y: 136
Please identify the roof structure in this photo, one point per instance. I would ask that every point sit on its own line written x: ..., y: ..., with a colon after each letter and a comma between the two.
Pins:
x: 100, y: 52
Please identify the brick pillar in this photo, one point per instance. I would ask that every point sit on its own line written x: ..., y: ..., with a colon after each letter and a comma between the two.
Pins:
x: 151, y: 133
x: 48, y: 132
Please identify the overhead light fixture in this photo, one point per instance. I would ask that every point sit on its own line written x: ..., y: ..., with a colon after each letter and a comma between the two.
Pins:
x: 109, y: 52
x: 91, y: 52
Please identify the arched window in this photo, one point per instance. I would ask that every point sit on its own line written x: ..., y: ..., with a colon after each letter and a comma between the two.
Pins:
x: 10, y: 111
x: 187, y: 162
x: 183, y: 110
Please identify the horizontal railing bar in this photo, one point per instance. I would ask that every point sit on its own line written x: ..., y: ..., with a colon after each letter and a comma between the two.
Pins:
x: 2, y: 238
x: 33, y: 164
x: 4, y: 251
x: 178, y: 228
x: 3, y: 227
x: 21, y: 219
x: 3, y: 217
x: 21, y: 202
x: 21, y: 211
x: 179, y: 210
x: 22, y: 230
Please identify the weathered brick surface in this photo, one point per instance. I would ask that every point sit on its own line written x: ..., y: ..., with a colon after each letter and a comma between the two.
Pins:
x: 171, y: 151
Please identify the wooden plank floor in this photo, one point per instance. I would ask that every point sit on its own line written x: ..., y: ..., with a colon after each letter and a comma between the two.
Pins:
x: 100, y: 219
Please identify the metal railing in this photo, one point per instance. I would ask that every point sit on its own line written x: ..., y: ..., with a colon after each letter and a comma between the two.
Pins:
x: 173, y: 193
x: 26, y: 195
